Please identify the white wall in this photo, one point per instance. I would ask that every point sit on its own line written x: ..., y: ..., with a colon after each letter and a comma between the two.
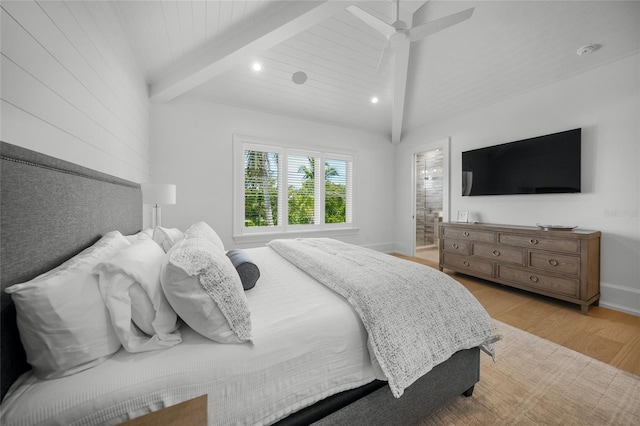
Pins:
x: 71, y: 87
x: 193, y: 143
x: 605, y: 103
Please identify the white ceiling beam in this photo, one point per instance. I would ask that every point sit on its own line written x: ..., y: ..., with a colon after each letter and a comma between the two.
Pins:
x: 400, y: 70
x: 241, y: 45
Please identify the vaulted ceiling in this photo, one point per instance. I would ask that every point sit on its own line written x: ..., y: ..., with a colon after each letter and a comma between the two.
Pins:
x: 206, y: 49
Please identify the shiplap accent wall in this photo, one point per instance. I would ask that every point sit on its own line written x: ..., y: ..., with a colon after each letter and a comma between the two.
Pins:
x: 72, y: 88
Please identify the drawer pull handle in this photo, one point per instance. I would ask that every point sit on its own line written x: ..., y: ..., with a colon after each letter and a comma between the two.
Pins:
x: 533, y: 241
x: 455, y: 246
x: 465, y: 263
x: 495, y: 253
x: 533, y: 278
x: 466, y: 233
x: 552, y: 262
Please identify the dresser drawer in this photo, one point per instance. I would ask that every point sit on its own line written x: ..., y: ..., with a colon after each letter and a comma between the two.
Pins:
x: 473, y: 265
x: 500, y: 254
x: 553, y: 244
x: 456, y: 246
x: 563, y: 286
x: 555, y: 262
x: 468, y: 234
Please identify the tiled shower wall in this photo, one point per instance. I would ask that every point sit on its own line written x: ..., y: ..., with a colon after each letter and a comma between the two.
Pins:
x: 429, y: 197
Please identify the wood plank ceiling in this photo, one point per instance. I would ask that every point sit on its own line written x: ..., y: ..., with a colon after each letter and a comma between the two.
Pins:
x: 205, y: 49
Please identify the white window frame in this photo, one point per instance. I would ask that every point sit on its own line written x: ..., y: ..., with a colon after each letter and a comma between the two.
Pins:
x: 242, y: 233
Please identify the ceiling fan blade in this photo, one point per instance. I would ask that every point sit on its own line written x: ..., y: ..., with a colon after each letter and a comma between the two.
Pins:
x: 375, y: 23
x: 421, y: 31
x: 387, y: 53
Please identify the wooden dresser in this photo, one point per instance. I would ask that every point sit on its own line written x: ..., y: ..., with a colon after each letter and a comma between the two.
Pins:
x: 560, y: 264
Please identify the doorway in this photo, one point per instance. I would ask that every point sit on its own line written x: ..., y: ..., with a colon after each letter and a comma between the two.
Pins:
x: 431, y: 198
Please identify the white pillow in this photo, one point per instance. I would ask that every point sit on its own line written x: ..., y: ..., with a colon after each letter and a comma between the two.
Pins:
x: 142, y: 311
x: 63, y: 322
x: 132, y: 238
x: 167, y: 237
x: 202, y: 230
x: 204, y: 288
x: 140, y: 264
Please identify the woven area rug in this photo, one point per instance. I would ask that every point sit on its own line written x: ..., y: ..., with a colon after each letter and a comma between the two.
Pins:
x: 537, y: 382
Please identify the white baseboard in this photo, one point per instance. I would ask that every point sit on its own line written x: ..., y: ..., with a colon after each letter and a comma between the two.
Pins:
x: 623, y: 299
x: 382, y: 247
x: 399, y: 248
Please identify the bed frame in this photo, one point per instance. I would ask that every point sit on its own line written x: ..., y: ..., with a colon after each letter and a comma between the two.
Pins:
x: 51, y: 210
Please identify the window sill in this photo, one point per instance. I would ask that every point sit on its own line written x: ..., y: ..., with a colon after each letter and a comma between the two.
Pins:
x: 313, y: 233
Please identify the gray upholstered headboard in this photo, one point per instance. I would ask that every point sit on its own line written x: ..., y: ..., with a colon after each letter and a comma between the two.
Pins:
x: 51, y: 210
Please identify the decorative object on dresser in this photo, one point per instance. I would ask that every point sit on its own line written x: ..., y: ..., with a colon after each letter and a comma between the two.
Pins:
x: 564, y: 264
x: 463, y: 216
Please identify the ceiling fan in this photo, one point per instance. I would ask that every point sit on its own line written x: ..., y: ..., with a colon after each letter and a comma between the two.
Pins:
x: 399, y: 36
x: 399, y: 39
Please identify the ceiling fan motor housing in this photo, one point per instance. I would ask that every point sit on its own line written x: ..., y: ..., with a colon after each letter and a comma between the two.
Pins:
x: 399, y: 25
x: 398, y: 37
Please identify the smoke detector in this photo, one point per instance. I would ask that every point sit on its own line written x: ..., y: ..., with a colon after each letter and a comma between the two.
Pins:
x: 585, y: 50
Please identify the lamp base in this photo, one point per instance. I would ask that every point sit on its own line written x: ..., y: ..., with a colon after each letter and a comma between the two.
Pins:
x: 156, y: 216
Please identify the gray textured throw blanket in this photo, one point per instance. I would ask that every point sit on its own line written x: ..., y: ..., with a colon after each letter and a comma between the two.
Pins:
x: 416, y: 317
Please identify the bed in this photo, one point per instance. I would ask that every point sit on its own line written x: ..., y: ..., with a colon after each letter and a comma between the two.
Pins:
x: 320, y: 371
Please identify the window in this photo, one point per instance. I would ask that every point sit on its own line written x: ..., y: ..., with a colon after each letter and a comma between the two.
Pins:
x: 280, y: 189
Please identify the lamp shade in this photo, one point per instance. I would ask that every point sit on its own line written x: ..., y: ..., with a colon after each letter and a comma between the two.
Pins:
x: 158, y: 193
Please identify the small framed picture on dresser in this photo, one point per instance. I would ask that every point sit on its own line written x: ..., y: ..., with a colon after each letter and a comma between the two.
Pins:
x: 463, y: 216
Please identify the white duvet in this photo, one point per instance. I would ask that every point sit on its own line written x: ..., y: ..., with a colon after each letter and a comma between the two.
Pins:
x: 308, y: 344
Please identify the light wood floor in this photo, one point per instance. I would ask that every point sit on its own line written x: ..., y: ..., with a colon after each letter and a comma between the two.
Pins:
x: 604, y: 334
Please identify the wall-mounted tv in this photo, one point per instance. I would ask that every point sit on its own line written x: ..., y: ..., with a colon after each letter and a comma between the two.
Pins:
x: 541, y: 165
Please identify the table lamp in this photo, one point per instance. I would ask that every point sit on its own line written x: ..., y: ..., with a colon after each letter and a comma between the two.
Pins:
x: 157, y: 194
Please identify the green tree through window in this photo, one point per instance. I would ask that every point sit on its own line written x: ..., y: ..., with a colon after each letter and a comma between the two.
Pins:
x: 260, y: 188
x: 281, y: 189
x: 302, y: 198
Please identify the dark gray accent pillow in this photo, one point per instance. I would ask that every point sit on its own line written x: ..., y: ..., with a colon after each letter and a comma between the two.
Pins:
x: 248, y: 271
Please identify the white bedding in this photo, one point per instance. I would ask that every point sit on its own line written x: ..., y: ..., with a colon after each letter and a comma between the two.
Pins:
x: 416, y: 317
x: 308, y: 344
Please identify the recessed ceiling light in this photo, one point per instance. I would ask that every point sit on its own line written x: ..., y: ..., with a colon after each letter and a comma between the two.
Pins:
x: 256, y: 66
x: 374, y: 100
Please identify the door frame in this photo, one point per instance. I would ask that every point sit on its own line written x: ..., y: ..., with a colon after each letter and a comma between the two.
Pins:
x: 445, y: 145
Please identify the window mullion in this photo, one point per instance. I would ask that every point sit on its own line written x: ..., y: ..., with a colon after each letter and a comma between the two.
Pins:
x: 349, y: 200
x: 319, y: 190
x: 283, y: 190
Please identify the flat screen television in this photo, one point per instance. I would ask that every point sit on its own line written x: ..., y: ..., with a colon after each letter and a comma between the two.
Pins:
x: 541, y: 165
